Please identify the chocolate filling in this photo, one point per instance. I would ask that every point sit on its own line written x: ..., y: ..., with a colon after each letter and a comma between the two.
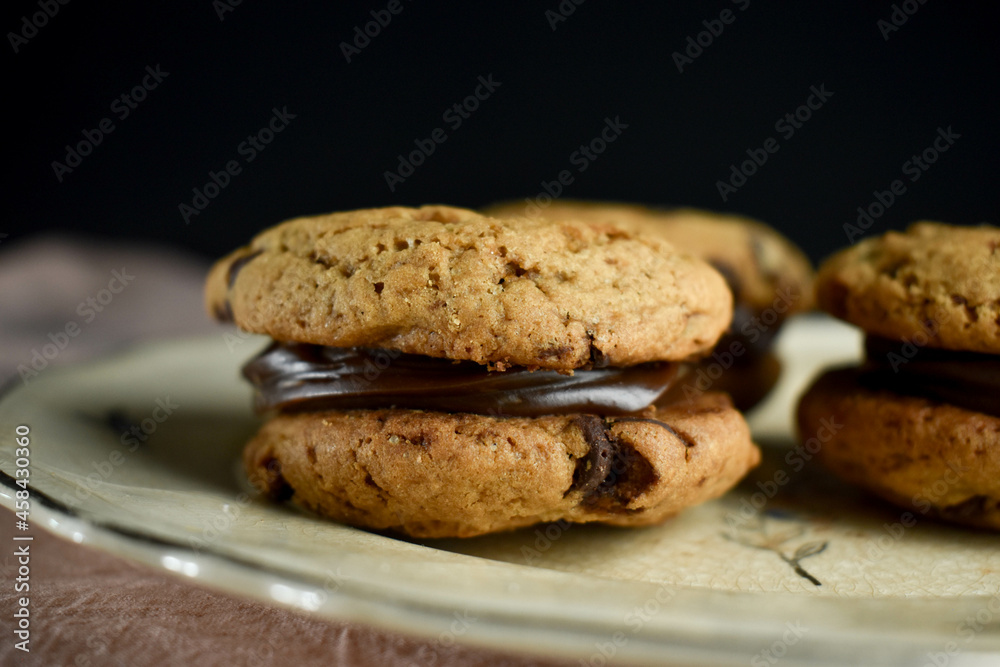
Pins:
x: 756, y: 338
x: 301, y: 377
x: 969, y: 380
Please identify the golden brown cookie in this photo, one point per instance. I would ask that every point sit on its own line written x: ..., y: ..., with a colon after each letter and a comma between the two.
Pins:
x: 934, y: 277
x: 433, y: 474
x: 448, y: 282
x: 535, y: 351
x: 760, y: 264
x: 932, y: 458
x: 771, y: 279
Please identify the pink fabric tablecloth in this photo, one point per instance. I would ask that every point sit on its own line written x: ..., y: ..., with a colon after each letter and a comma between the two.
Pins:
x: 93, y: 608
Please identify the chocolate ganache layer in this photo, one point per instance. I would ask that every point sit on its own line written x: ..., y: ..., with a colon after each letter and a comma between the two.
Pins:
x: 301, y: 377
x: 755, y: 337
x: 969, y: 380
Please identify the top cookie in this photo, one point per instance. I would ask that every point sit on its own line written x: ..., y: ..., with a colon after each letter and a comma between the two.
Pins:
x: 933, y: 279
x: 760, y: 264
x: 449, y: 282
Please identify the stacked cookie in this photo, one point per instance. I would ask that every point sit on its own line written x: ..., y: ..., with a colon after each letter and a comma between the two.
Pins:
x: 438, y: 372
x: 771, y: 279
x: 919, y: 422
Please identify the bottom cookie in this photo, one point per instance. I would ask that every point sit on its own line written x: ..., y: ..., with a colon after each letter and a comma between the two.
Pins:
x: 431, y: 474
x: 937, y: 459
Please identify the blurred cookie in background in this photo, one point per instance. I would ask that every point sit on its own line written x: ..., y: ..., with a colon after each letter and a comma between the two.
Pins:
x: 918, y: 422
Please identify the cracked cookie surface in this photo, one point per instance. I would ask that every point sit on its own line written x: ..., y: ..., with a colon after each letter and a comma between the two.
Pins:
x: 431, y: 474
x: 934, y: 278
x: 448, y: 282
x: 760, y: 264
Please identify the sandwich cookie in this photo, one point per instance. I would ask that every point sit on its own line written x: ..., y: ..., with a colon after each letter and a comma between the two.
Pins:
x: 918, y: 423
x: 771, y: 279
x: 437, y: 372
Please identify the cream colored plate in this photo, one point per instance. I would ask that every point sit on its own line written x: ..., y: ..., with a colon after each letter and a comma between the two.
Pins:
x: 817, y: 574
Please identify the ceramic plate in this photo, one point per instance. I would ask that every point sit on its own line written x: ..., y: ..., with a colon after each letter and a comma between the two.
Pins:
x: 138, y: 455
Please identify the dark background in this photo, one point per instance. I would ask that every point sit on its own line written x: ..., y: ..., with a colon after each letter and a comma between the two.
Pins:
x: 557, y: 87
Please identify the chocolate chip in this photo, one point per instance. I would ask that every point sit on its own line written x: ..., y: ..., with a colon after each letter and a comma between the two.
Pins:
x: 274, y: 483
x: 597, y: 357
x: 613, y: 472
x: 631, y: 474
x: 593, y: 468
x: 238, y: 265
x: 224, y: 312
